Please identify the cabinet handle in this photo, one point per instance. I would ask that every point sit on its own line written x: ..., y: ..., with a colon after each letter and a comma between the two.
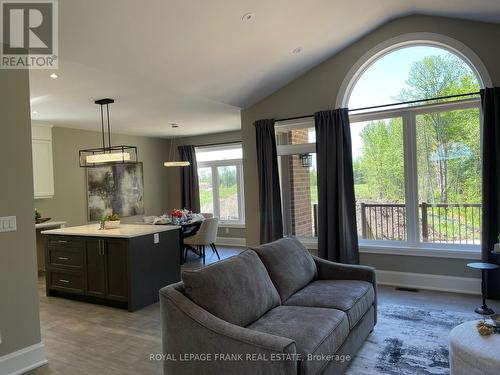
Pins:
x: 101, y: 247
x: 64, y: 281
x: 62, y: 241
x: 63, y: 258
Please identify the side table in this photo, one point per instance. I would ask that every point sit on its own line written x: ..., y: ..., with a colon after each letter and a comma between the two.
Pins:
x: 484, y: 309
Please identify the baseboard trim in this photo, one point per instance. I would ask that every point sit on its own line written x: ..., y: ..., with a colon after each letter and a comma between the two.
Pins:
x: 231, y: 241
x: 23, y: 360
x: 455, y: 284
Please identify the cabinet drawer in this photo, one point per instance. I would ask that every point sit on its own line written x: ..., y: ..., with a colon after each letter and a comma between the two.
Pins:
x: 62, y: 243
x: 70, y: 258
x: 66, y: 281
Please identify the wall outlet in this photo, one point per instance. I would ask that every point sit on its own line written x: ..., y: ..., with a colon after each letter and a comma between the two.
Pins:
x: 8, y: 224
x: 156, y: 238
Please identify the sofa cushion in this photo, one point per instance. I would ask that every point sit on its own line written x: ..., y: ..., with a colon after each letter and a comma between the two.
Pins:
x: 351, y: 296
x: 289, y: 264
x: 237, y: 290
x: 316, y: 331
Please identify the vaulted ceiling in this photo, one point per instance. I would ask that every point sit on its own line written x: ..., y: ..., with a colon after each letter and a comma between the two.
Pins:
x: 197, y: 63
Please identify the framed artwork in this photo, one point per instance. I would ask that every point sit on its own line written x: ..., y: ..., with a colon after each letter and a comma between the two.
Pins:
x: 115, y: 189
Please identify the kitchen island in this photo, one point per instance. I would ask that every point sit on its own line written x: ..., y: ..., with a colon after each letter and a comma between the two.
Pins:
x: 123, y: 267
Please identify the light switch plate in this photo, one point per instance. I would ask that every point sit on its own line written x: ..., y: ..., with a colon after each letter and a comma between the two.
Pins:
x: 8, y: 224
x: 157, y: 237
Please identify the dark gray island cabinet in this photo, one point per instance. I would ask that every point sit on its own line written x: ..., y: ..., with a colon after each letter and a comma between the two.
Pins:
x: 124, y: 267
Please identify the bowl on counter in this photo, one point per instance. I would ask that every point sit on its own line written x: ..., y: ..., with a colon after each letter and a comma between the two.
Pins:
x: 111, y: 224
x: 42, y: 220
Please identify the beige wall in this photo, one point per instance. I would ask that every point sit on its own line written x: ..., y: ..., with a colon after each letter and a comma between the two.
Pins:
x: 318, y: 88
x: 19, y: 319
x: 70, y: 200
x: 175, y: 194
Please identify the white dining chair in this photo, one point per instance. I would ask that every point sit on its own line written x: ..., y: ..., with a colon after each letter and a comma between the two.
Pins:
x: 205, y: 236
x: 207, y: 215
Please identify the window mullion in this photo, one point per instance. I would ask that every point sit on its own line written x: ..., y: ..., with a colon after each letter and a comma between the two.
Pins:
x: 411, y: 177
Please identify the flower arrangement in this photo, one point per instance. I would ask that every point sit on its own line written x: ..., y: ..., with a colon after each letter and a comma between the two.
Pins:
x: 177, y: 213
x: 179, y: 216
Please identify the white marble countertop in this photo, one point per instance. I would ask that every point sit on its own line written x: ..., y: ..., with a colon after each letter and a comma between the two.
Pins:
x: 124, y: 231
x: 50, y: 224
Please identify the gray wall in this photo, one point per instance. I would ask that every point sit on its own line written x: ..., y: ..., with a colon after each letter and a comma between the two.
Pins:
x: 318, y: 88
x: 70, y: 200
x: 19, y: 319
x: 175, y: 195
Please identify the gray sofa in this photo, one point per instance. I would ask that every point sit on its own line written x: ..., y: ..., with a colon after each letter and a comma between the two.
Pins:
x: 274, y: 309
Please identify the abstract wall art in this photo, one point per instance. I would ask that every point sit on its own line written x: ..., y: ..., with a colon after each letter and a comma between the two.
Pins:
x: 117, y: 189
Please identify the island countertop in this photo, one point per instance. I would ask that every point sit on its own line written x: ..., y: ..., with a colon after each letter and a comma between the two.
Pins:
x: 124, y: 231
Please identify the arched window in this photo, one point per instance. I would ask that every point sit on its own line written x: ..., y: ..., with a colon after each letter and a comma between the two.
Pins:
x: 417, y: 164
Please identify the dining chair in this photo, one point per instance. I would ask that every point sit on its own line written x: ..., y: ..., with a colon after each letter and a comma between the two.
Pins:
x: 207, y: 215
x: 206, y: 235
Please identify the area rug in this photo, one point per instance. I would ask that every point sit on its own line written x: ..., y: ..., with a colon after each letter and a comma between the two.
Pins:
x: 408, y: 340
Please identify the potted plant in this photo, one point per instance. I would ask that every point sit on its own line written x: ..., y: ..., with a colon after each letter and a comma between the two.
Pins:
x: 110, y: 221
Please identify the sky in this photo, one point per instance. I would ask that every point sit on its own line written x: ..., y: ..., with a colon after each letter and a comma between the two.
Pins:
x: 382, y: 82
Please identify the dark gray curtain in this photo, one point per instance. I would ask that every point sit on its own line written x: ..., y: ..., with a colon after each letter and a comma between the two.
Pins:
x: 490, y: 100
x: 189, y: 179
x: 337, y: 233
x: 271, y: 221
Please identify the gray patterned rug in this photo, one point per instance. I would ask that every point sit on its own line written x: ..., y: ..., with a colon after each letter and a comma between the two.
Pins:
x: 408, y: 340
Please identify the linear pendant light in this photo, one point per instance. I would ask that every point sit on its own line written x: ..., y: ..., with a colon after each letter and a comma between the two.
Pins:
x: 172, y: 162
x: 107, y: 154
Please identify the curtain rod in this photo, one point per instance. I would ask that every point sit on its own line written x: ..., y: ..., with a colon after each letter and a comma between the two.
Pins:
x: 388, y: 105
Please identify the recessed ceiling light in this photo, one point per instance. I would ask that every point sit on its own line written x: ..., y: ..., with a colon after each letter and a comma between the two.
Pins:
x: 54, y: 76
x: 297, y: 50
x: 35, y: 112
x: 248, y: 16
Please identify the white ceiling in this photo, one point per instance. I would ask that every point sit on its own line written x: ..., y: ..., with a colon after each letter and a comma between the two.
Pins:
x: 195, y: 62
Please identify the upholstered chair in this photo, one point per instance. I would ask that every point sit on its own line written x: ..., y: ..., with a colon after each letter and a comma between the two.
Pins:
x: 206, y: 236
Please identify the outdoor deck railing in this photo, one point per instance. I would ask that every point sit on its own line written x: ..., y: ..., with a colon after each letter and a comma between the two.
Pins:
x: 441, y: 223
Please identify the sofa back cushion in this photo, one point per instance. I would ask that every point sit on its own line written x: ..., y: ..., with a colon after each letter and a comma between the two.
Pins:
x: 289, y: 264
x: 237, y: 290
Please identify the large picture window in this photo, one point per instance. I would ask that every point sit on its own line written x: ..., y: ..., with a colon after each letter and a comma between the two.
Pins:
x: 220, y: 177
x: 417, y: 167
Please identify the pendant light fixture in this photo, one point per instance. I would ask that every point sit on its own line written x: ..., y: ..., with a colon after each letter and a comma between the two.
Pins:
x: 107, y: 154
x: 171, y: 162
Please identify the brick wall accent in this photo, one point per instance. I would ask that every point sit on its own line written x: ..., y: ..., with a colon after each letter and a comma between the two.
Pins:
x: 300, y: 189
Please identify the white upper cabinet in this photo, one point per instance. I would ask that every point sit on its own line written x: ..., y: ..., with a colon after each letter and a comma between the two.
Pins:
x: 43, y: 169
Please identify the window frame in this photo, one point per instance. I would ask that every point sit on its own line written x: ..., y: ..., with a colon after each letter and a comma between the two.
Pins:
x: 213, y: 165
x: 408, y: 115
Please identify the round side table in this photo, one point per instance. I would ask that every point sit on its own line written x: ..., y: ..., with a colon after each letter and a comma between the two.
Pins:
x: 484, y: 309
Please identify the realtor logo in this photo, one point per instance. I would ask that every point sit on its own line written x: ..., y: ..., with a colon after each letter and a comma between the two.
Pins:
x: 28, y: 34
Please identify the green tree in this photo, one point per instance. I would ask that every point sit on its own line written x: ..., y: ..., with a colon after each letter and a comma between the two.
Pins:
x: 441, y: 134
x: 448, y: 154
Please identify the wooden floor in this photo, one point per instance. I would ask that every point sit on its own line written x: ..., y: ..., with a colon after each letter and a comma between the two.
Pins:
x: 82, y: 338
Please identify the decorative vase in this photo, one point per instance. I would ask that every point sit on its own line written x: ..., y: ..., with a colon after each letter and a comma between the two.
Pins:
x: 111, y: 224
x: 496, y: 248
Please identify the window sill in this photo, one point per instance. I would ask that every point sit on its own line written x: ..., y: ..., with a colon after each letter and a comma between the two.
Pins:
x: 229, y: 225
x: 425, y: 250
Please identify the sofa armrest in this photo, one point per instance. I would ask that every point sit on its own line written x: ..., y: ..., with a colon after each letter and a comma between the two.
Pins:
x: 338, y: 271
x: 188, y: 329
